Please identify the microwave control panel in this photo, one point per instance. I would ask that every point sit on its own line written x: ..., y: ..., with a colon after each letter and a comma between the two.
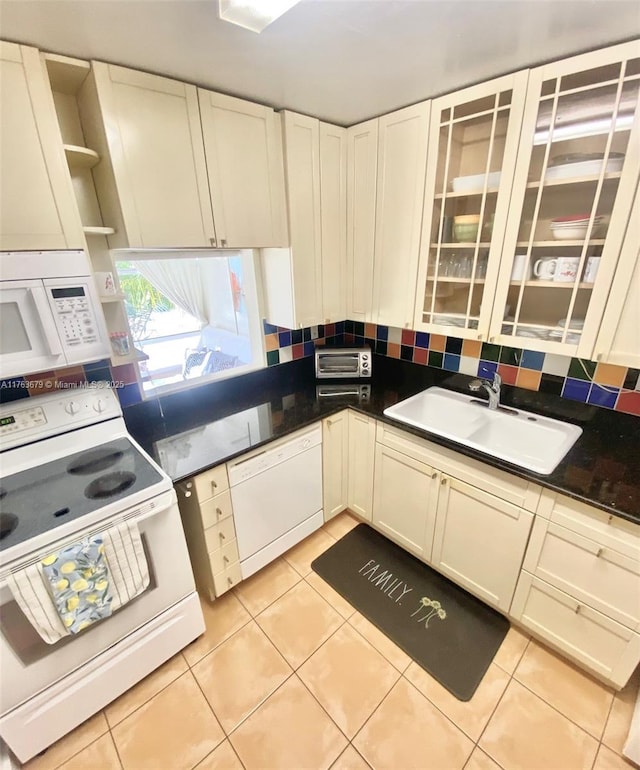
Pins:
x: 75, y: 315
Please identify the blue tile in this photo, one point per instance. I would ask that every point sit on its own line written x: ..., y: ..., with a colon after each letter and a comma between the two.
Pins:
x: 97, y: 375
x: 422, y: 340
x: 601, y: 396
x: 382, y: 333
x: 284, y: 339
x: 577, y: 390
x: 13, y: 390
x: 96, y: 365
x: 487, y: 369
x: 340, y: 325
x: 129, y: 394
x: 269, y: 328
x: 451, y: 362
x: 308, y: 348
x: 531, y: 359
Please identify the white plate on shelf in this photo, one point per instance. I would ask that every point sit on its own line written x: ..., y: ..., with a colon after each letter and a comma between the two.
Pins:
x: 475, y: 183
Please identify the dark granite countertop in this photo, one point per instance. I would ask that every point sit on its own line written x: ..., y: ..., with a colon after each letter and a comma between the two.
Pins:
x: 190, y: 431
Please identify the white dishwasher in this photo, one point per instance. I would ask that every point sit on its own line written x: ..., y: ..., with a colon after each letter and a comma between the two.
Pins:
x: 277, y: 498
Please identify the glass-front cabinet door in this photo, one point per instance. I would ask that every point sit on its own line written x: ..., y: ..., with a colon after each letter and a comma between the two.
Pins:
x: 573, y: 189
x: 473, y: 143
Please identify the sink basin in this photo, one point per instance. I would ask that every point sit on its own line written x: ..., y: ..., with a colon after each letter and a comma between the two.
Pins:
x: 525, y: 439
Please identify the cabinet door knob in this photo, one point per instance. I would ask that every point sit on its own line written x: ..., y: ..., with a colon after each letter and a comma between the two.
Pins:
x: 213, y: 241
x: 577, y: 609
x: 434, y: 475
x: 223, y: 242
x: 443, y: 482
x: 599, y: 553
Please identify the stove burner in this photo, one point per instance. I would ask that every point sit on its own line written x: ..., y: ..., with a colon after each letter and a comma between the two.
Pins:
x: 94, y: 461
x: 8, y: 522
x: 110, y: 484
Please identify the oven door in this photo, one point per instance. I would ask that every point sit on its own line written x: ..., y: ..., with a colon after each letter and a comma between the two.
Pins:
x: 29, y: 665
x: 29, y: 341
x: 336, y: 365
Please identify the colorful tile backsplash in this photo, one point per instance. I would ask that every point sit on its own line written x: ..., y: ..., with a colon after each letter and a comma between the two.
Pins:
x: 604, y: 385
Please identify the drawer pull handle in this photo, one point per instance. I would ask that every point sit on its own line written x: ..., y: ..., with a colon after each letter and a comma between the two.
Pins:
x: 218, y: 512
x: 599, y: 553
x: 214, y: 485
x: 225, y: 559
x: 577, y: 609
x: 221, y: 535
x: 230, y: 581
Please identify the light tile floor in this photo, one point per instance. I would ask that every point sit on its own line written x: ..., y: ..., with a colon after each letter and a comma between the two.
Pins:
x: 289, y: 676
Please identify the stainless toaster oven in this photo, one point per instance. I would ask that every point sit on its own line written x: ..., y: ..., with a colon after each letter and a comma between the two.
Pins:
x: 342, y: 363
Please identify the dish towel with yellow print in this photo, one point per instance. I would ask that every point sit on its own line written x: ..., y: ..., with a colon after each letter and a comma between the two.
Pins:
x: 48, y: 605
x: 79, y: 583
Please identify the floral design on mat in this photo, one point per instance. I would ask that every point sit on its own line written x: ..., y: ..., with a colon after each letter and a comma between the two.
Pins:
x: 430, y: 608
x: 78, y: 580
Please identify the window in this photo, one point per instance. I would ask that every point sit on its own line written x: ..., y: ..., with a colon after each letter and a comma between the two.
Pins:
x: 194, y: 314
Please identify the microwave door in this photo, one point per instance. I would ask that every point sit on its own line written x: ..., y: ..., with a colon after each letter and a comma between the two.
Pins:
x: 28, y: 339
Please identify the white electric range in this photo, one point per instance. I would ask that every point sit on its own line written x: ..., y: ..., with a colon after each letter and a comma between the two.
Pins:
x: 69, y: 470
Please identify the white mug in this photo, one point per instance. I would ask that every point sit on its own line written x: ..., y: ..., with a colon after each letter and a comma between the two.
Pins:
x: 545, y: 269
x: 591, y: 270
x: 105, y: 284
x: 566, y: 269
x: 521, y: 268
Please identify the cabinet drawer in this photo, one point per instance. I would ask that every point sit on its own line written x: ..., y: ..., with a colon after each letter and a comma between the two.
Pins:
x: 214, y: 510
x: 211, y: 482
x: 511, y: 488
x: 227, y: 579
x: 224, y: 557
x: 599, y: 576
x: 597, y: 642
x: 220, y: 534
x: 606, y: 529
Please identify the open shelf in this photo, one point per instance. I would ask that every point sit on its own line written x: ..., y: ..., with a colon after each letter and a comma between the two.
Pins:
x: 66, y: 74
x: 98, y: 230
x: 80, y: 157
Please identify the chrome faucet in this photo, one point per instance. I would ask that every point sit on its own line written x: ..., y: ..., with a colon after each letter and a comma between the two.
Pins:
x: 492, y: 388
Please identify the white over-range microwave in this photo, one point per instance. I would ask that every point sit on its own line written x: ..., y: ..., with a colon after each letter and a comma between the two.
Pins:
x: 50, y: 313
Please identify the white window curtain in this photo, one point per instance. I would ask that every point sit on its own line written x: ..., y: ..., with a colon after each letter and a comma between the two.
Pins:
x: 199, y: 286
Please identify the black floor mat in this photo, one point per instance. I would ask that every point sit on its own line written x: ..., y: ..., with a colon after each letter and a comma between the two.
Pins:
x: 448, y: 632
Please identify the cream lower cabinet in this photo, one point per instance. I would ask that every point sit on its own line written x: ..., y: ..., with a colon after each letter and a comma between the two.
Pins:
x: 335, y: 463
x: 207, y: 519
x: 479, y: 541
x: 579, y: 590
x: 475, y: 530
x: 38, y: 210
x: 362, y: 446
x: 405, y: 495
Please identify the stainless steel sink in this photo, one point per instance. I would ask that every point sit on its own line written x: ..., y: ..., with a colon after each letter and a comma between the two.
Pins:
x: 525, y: 439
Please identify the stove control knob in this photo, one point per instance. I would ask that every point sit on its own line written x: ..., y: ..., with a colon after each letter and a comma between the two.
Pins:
x: 72, y: 408
x: 99, y: 406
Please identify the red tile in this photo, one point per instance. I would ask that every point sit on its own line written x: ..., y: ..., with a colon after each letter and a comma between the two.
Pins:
x: 71, y: 379
x: 629, y: 402
x: 348, y: 338
x: 408, y: 337
x: 125, y: 373
x: 509, y: 374
x: 298, y: 350
x: 329, y: 330
x: 420, y: 355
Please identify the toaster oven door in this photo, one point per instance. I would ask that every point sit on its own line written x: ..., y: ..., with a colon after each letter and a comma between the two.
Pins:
x: 338, y: 365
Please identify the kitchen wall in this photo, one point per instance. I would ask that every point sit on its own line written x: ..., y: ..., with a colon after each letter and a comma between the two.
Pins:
x: 604, y: 385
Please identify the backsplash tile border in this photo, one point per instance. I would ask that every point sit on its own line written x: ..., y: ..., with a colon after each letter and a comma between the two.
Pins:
x: 603, y: 385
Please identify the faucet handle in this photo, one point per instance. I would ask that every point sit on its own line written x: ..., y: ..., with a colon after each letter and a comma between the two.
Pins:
x: 497, y: 380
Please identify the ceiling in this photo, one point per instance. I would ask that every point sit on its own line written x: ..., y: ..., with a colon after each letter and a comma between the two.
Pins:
x: 340, y: 60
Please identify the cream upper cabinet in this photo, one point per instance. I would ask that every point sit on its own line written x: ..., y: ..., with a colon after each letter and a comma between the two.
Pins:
x: 619, y: 335
x: 333, y: 221
x: 38, y: 209
x: 576, y: 174
x: 480, y: 541
x: 335, y: 463
x: 402, y: 158
x: 362, y: 169
x: 243, y: 149
x: 152, y: 130
x: 473, y: 144
x: 362, y: 445
x: 302, y: 173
